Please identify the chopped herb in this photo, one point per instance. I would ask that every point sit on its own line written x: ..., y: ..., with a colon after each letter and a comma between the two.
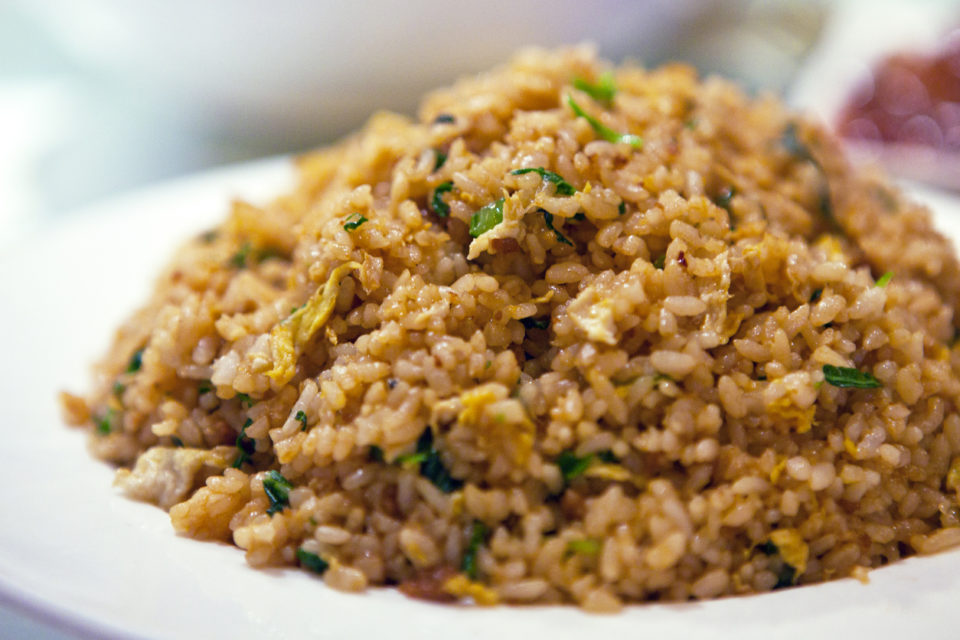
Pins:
x: 205, y: 387
x: 816, y: 295
x: 293, y: 310
x: 564, y: 188
x: 690, y: 124
x: 571, y: 465
x: 548, y: 220
x: 604, y: 131
x: 410, y: 459
x: 245, y: 446
x: 885, y: 279
x: 177, y: 442
x: 580, y: 216
x: 849, y: 377
x: 268, y: 253
x: 437, y: 203
x: 661, y: 377
x: 487, y: 364
x: 277, y: 489
x: 136, y: 361
x: 245, y: 400
x: 724, y: 197
x: 535, y: 323
x: 119, y: 388
x: 312, y: 561
x: 621, y: 208
x: 786, y: 577
x: 478, y: 535
x: 209, y: 236
x: 444, y: 118
x: 441, y: 159
x: 431, y: 467
x: 768, y: 548
x: 603, y: 90
x: 660, y: 261
x: 302, y: 417
x: 585, y: 547
x: 353, y: 221
x: 239, y: 259
x: 106, y: 423
x: 608, y: 457
x: 486, y: 218
x: 376, y: 453
x: 762, y: 378
x: 434, y: 471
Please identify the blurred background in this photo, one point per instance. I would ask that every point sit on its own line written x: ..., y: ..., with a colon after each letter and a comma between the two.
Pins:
x: 99, y: 97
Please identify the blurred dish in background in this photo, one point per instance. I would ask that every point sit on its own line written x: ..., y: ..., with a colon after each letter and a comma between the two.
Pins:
x: 895, y: 99
x: 299, y: 73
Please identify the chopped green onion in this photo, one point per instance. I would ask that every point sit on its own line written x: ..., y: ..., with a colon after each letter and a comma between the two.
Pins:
x: 660, y: 261
x: 431, y: 466
x: 119, y: 388
x: 312, y: 561
x: 486, y: 218
x: 535, y: 323
x: 816, y: 295
x: 302, y: 417
x: 106, y: 423
x: 885, y: 279
x: 849, y: 377
x: 245, y: 446
x: 239, y: 259
x: 205, y: 387
x: 353, y: 221
x: 572, y: 465
x: 437, y: 203
x: 441, y: 159
x: 604, y: 131
x: 268, y: 253
x: 245, y: 400
x: 564, y: 188
x: 136, y: 361
x: 585, y: 547
x: 580, y: 216
x: 376, y: 453
x: 444, y: 118
x: 621, y: 208
x: 607, y: 456
x: 277, y: 489
x: 548, y: 220
x: 661, y: 377
x: 603, y: 90
x: 478, y: 535
x: 177, y: 442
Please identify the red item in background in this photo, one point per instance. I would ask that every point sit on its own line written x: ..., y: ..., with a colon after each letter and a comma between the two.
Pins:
x: 909, y: 99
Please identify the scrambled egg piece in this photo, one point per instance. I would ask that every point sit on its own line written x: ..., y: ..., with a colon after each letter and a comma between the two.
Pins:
x: 165, y: 475
x: 463, y: 587
x: 793, y: 549
x: 288, y: 337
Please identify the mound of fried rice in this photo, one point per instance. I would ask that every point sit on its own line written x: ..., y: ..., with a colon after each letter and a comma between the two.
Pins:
x: 607, y: 379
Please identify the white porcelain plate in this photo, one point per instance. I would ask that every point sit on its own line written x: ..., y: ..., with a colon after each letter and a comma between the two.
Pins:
x: 77, y: 555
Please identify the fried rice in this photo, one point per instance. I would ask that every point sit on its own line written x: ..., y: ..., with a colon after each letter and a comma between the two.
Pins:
x: 576, y: 333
